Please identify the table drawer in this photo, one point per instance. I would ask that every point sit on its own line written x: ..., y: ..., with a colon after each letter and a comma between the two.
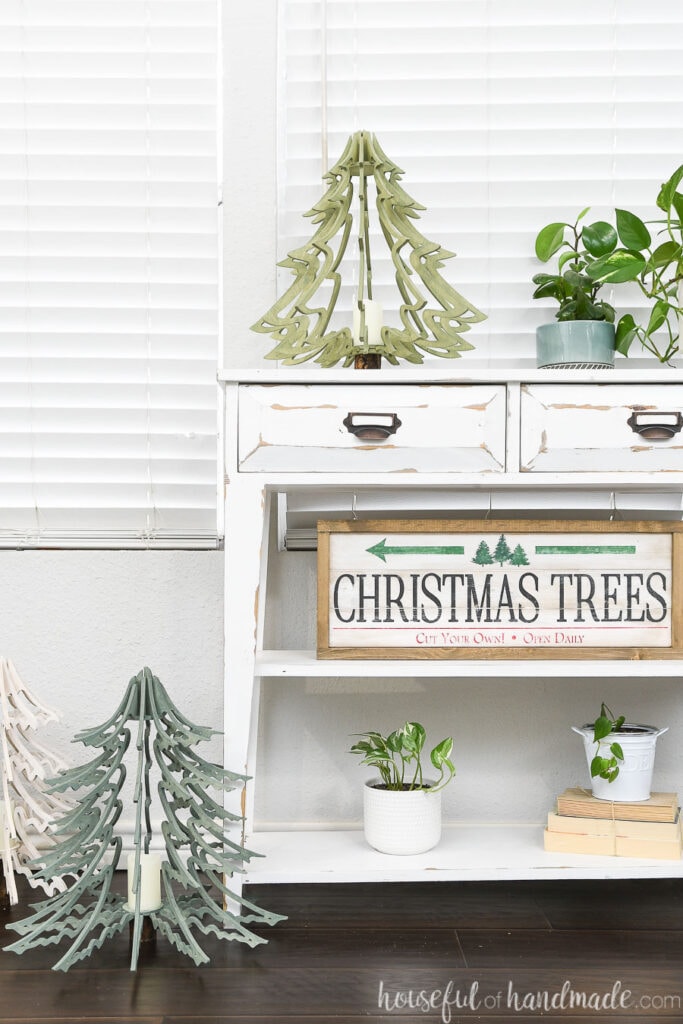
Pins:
x: 601, y: 428
x: 327, y: 428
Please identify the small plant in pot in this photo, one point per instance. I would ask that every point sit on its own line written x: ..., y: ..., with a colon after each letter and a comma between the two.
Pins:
x: 583, y: 334
x: 402, y: 809
x: 620, y: 756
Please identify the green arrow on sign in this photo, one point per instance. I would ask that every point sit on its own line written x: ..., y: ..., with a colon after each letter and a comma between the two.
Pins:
x: 585, y: 549
x: 382, y: 549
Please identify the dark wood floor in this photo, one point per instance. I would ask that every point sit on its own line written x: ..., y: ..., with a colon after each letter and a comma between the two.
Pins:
x: 352, y: 952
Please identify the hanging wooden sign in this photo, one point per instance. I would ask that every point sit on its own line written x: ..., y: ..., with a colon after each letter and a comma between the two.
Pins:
x: 500, y: 589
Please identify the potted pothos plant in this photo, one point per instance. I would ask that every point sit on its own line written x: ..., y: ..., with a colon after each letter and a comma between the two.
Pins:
x: 620, y: 755
x: 583, y: 332
x: 402, y: 808
x: 655, y: 265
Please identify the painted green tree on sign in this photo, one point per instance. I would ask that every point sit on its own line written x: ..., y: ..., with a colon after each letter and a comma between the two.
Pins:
x: 483, y: 554
x: 299, y: 321
x: 502, y: 552
x: 518, y: 556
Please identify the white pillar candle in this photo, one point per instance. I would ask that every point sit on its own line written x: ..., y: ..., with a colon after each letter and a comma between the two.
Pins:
x: 373, y: 322
x: 150, y: 881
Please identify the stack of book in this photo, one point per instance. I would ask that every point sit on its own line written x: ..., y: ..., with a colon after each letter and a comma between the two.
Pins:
x: 583, y: 824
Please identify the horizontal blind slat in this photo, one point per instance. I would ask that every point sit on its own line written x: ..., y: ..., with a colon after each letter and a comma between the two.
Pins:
x: 502, y: 116
x: 109, y: 277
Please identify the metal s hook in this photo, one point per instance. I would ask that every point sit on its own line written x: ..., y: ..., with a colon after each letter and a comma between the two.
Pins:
x: 490, y: 508
x: 614, y: 512
x: 354, y: 513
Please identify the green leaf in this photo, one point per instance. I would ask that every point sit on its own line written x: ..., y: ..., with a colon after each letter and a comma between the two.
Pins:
x: 395, y: 741
x: 549, y: 240
x: 548, y: 290
x: 569, y: 311
x: 441, y: 752
x: 599, y: 238
x: 414, y: 736
x: 598, y: 766
x: 617, y: 751
x: 626, y: 332
x: 658, y: 316
x: 376, y: 759
x: 575, y: 280
x: 566, y: 257
x: 678, y: 207
x: 668, y: 190
x: 632, y: 231
x: 361, y: 748
x: 601, y: 727
x: 619, y: 266
x: 582, y: 214
x: 608, y: 312
x: 667, y: 252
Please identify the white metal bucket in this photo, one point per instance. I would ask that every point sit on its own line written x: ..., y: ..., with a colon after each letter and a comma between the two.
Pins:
x: 634, y: 781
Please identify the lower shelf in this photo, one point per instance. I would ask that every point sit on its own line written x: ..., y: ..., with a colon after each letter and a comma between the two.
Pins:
x: 465, y: 853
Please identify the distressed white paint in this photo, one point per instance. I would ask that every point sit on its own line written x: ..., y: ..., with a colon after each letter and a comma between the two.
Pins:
x: 443, y: 429
x: 570, y: 429
x: 511, y: 721
x: 481, y: 852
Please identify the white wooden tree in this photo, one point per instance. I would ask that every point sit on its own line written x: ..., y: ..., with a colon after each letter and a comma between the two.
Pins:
x: 28, y: 808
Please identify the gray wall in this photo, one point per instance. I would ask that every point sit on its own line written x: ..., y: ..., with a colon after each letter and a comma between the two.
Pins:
x: 79, y: 624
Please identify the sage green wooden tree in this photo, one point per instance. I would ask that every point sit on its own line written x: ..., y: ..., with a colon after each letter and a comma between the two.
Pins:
x: 300, y: 321
x: 199, y: 855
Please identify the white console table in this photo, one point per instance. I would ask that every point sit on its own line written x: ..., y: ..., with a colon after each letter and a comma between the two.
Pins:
x: 469, y: 440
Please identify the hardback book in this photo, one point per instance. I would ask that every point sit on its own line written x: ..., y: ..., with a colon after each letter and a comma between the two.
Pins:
x: 612, y: 846
x: 581, y: 803
x: 611, y: 827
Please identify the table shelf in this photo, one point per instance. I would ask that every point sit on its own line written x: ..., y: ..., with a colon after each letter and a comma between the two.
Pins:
x: 481, y: 852
x: 303, y: 663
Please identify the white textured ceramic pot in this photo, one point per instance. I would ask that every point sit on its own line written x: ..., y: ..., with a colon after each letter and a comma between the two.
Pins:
x: 401, y: 822
x: 634, y: 781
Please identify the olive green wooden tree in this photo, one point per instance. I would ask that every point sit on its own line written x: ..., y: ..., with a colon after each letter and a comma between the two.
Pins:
x: 199, y: 855
x: 301, y: 325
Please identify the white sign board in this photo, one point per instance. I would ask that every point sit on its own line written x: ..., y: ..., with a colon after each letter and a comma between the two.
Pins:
x: 487, y: 589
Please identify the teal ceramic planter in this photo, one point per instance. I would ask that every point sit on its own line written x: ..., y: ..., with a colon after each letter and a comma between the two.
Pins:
x: 575, y: 344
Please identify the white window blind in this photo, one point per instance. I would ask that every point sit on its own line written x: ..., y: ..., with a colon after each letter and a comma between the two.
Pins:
x: 109, y: 271
x: 504, y: 116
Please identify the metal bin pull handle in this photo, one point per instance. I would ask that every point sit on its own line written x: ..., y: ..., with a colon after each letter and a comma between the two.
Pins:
x: 658, y: 428
x: 372, y: 426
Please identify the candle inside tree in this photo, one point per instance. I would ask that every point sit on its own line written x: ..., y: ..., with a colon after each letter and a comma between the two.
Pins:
x: 373, y: 322
x: 150, y: 882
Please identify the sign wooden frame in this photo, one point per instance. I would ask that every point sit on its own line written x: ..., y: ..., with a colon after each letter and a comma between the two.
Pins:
x: 615, y: 593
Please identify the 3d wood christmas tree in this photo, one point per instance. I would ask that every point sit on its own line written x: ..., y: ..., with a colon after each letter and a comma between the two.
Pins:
x: 300, y: 320
x: 27, y: 806
x: 184, y: 892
